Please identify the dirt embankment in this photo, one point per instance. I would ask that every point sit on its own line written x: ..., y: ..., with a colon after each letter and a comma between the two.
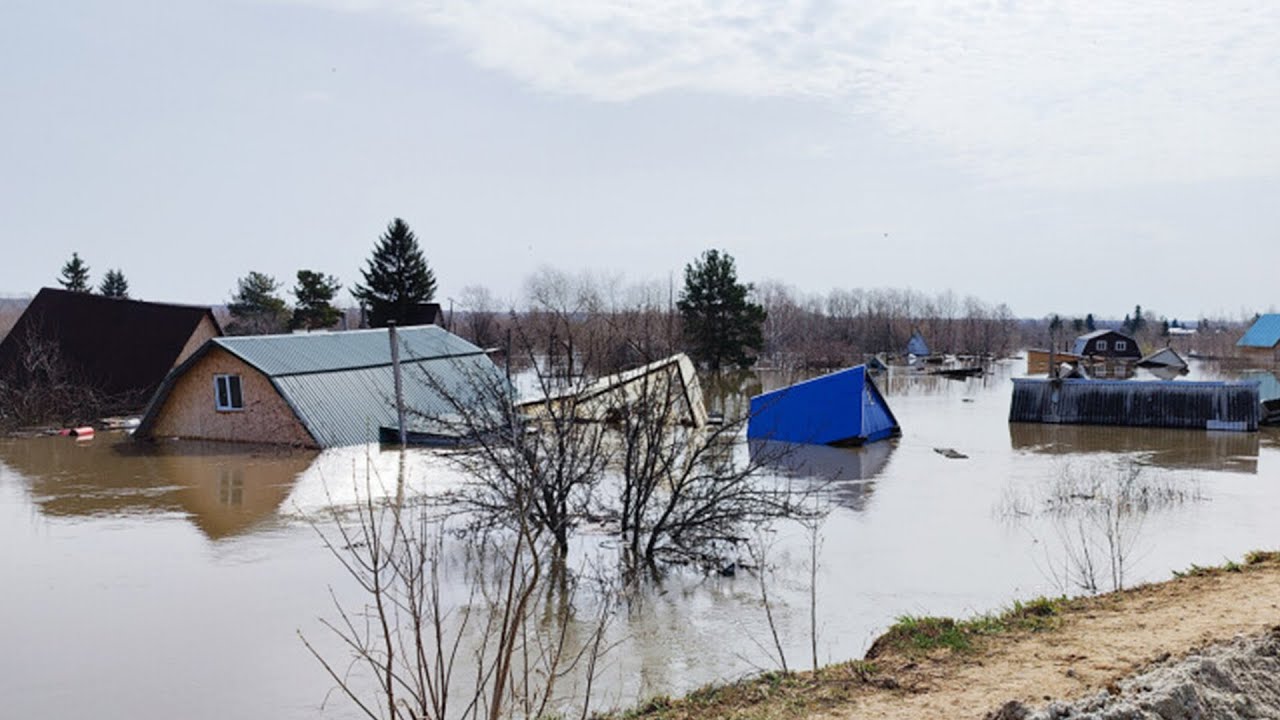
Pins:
x: 1084, y: 655
x: 1234, y: 680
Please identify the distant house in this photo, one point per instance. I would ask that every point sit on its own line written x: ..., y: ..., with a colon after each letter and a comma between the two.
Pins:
x: 420, y: 314
x: 1262, y: 340
x: 315, y: 390
x: 916, y: 345
x: 1108, y: 344
x: 121, y: 348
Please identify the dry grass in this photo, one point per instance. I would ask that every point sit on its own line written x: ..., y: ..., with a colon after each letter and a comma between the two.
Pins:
x: 772, y: 695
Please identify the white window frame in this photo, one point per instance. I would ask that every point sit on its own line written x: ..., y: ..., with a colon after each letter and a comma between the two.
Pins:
x: 1101, y: 346
x: 1121, y: 345
x: 229, y: 405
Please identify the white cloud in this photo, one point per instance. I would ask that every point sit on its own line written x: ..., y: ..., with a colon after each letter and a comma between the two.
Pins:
x: 1077, y: 93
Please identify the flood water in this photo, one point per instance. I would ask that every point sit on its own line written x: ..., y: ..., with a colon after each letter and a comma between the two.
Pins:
x: 174, y: 581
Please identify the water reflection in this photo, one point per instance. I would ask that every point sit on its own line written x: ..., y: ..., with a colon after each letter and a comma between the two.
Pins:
x: 1161, y: 447
x: 224, y: 489
x: 847, y: 472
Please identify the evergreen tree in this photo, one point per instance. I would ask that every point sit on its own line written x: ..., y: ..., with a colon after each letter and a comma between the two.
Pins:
x: 315, y: 293
x: 1089, y: 323
x: 720, y: 323
x: 114, y: 285
x: 255, y: 307
x: 1139, y: 322
x: 397, y: 278
x: 1077, y: 324
x: 75, y: 275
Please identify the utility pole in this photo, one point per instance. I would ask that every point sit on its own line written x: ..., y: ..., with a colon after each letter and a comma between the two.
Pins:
x: 395, y: 372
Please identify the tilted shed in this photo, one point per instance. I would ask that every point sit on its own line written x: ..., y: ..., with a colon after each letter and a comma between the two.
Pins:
x: 319, y: 389
x: 671, y: 382
x: 842, y: 408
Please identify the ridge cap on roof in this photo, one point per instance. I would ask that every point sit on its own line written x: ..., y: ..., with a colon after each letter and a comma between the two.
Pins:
x: 96, y: 297
x: 328, y: 333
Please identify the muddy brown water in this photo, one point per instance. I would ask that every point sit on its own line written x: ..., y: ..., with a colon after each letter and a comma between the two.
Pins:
x: 173, y: 581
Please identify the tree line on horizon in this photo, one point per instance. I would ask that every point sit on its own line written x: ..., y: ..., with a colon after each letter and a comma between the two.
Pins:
x: 718, y: 320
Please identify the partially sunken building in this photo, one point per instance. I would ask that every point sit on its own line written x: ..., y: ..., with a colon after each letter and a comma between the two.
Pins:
x: 319, y: 390
x: 119, y: 348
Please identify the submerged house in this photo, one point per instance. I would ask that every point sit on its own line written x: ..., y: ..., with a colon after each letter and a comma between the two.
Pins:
x: 120, y: 348
x: 671, y: 382
x: 1165, y: 357
x: 1107, y: 344
x: 321, y: 389
x: 1262, y: 340
x: 843, y: 408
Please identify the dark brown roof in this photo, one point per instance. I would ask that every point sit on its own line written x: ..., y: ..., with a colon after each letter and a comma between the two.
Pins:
x: 119, y: 346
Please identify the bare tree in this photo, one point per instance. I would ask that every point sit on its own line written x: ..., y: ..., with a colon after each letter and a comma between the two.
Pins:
x: 679, y: 490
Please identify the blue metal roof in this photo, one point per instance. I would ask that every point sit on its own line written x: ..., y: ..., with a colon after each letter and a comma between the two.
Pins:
x: 843, y: 407
x: 1264, y: 333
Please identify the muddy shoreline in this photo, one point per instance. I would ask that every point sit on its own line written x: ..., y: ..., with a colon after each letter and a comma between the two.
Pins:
x: 1204, y: 641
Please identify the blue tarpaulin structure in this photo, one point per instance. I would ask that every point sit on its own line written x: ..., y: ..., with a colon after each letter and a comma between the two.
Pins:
x: 842, y: 408
x: 917, y: 346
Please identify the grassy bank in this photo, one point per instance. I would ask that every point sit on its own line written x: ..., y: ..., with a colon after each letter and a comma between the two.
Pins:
x: 914, y: 653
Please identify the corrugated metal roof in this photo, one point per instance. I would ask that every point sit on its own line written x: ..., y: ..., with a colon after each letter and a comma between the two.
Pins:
x: 277, y: 355
x: 347, y: 407
x: 1264, y: 333
x: 342, y: 387
x: 1200, y: 405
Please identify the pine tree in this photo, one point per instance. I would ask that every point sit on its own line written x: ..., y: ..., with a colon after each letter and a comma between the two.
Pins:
x: 255, y: 307
x: 315, y: 293
x: 1089, y: 324
x: 114, y: 285
x: 397, y: 279
x: 720, y: 323
x: 75, y: 274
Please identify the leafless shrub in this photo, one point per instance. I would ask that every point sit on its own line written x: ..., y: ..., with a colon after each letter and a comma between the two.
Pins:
x: 678, y: 491
x: 410, y: 653
x: 1097, y: 511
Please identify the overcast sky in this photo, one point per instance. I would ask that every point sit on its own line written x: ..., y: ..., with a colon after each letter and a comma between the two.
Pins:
x: 1071, y: 157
